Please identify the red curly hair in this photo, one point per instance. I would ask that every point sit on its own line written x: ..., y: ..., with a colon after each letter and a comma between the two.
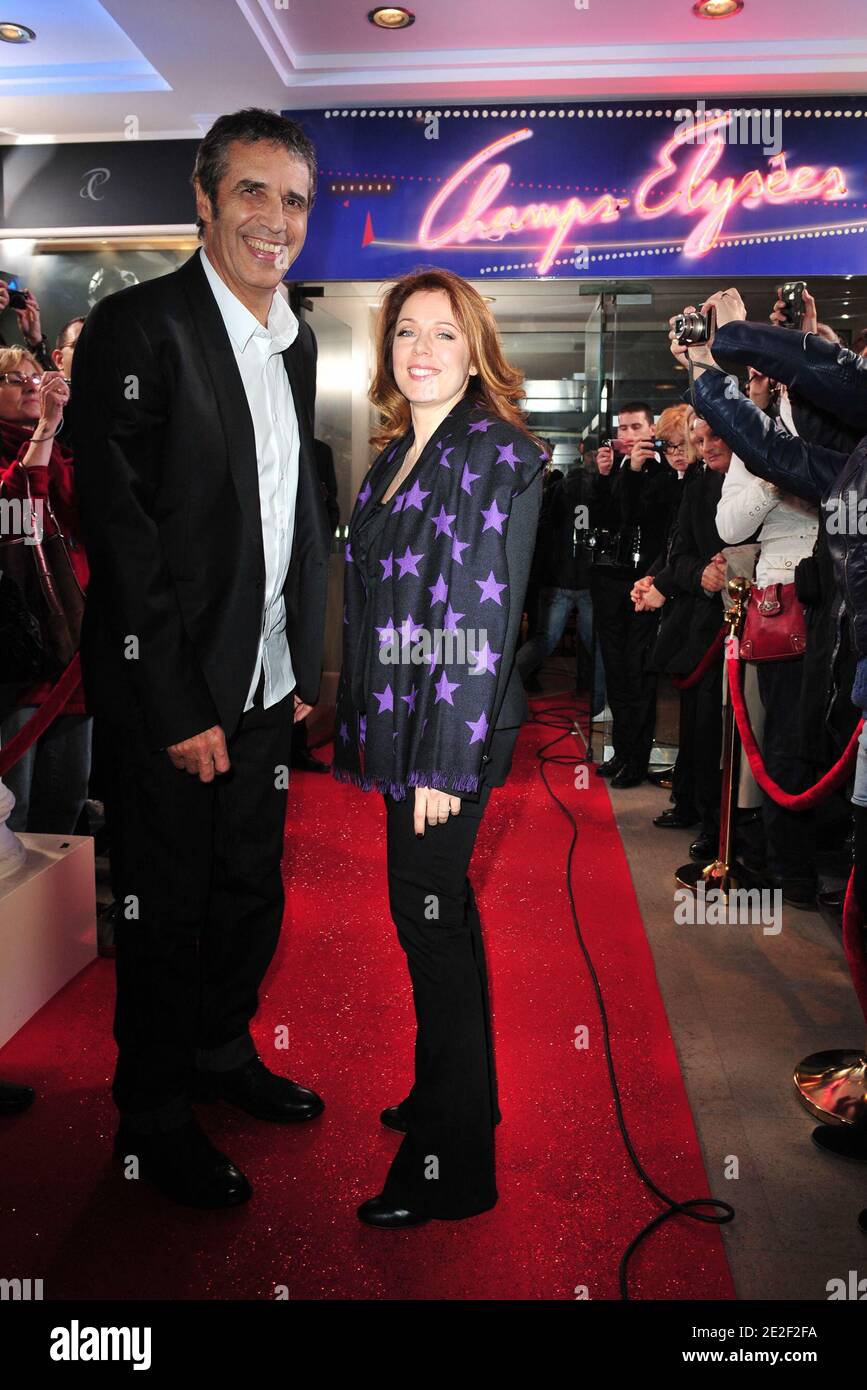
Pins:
x: 498, y: 387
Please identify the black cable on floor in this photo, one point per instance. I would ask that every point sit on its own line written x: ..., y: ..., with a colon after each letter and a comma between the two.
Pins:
x: 563, y: 717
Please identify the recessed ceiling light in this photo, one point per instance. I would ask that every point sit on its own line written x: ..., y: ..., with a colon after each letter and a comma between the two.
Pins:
x: 391, y: 17
x: 15, y: 33
x: 717, y: 9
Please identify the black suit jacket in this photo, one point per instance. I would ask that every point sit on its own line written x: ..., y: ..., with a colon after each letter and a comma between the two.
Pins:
x: 168, y: 491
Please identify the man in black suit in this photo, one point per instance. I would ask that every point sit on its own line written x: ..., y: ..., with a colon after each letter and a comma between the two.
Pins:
x: 208, y: 543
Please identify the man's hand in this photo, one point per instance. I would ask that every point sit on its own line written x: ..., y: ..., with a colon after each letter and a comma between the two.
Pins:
x: 642, y: 450
x: 650, y: 599
x: 729, y: 307
x: 434, y: 807
x: 640, y: 588
x: 203, y: 755
x: 301, y: 710
x: 605, y: 460
x: 759, y: 388
x: 810, y: 321
x: 29, y: 320
x: 713, y: 576
x: 699, y: 354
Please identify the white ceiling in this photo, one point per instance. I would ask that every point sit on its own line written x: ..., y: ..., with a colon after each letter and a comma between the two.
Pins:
x: 175, y: 64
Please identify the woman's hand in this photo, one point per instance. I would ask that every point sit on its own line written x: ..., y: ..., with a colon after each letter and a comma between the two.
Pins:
x: 53, y: 396
x: 651, y: 598
x: 29, y: 320
x: 434, y: 807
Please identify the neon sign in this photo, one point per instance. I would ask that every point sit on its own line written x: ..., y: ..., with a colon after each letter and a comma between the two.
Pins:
x: 472, y: 226
x: 695, y: 192
x: 687, y: 191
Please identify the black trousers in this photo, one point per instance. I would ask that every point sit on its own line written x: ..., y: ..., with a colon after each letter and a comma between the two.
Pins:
x: 789, y: 835
x: 201, y: 899
x: 625, y: 640
x: 445, y: 1164
x: 697, y: 782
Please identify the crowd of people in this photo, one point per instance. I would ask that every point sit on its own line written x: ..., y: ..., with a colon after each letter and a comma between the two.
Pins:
x: 639, y: 539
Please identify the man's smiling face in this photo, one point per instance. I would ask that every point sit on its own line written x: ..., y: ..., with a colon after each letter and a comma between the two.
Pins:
x: 258, y: 226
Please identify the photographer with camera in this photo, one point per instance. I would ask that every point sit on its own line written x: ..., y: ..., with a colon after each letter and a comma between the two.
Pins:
x: 623, y: 546
x: 26, y: 310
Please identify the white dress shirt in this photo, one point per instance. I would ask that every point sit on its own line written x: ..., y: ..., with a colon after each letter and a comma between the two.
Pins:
x: 269, y: 396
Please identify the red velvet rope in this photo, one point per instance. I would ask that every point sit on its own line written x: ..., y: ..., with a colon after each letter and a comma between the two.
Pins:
x: 45, y: 715
x: 854, y: 944
x: 711, y: 656
x: 833, y: 779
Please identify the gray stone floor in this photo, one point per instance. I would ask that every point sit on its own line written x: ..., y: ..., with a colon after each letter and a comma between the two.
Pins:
x: 744, y: 1007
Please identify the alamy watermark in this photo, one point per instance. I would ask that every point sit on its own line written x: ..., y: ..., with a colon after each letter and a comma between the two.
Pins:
x: 21, y: 518
x: 745, y: 126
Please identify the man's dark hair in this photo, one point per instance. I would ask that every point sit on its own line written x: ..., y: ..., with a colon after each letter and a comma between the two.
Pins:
x: 249, y: 126
x: 61, y: 337
x: 633, y: 408
x: 859, y: 342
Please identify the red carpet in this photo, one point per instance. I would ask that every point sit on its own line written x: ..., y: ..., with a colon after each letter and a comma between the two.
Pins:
x: 569, y: 1200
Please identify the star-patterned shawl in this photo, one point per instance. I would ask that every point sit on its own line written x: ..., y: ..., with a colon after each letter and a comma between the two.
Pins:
x: 441, y: 595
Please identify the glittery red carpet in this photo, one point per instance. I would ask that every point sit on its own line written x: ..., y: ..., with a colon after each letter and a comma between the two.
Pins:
x: 569, y: 1200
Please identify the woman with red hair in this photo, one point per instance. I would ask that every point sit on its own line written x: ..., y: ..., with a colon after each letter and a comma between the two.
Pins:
x: 429, y: 704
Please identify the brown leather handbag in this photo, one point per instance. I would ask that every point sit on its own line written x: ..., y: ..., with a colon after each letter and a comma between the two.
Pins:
x: 776, y: 625
x: 41, y: 568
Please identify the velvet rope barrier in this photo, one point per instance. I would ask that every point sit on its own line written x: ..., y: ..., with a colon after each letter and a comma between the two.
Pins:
x: 833, y: 779
x: 854, y: 944
x: 45, y: 715
x: 710, y: 658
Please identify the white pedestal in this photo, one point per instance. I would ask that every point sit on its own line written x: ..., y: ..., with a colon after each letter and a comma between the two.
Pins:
x: 47, y: 924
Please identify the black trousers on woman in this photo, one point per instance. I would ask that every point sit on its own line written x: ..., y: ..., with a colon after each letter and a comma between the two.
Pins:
x: 445, y: 1165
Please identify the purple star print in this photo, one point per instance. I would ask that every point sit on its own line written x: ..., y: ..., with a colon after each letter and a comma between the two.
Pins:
x: 398, y: 503
x: 385, y: 698
x: 479, y: 728
x: 410, y: 699
x: 506, y: 454
x: 388, y: 632
x: 443, y: 523
x: 494, y: 518
x: 451, y: 619
x: 457, y: 547
x: 409, y: 629
x: 487, y: 661
x: 348, y: 554
x: 388, y: 566
x: 444, y: 688
x: 444, y: 456
x: 467, y: 480
x: 364, y: 494
x: 491, y: 590
x: 480, y: 427
x: 408, y: 562
x: 439, y: 592
x: 362, y: 727
x: 415, y: 497
x: 344, y: 732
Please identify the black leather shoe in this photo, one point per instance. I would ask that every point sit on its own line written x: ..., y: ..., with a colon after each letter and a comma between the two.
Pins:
x: 628, y: 777
x: 14, y: 1099
x: 392, y: 1119
x: 704, y: 849
x: 674, y: 820
x: 610, y: 768
x: 258, y: 1091
x: 379, y: 1212
x: 305, y: 762
x: 184, y: 1165
x: 843, y: 1141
